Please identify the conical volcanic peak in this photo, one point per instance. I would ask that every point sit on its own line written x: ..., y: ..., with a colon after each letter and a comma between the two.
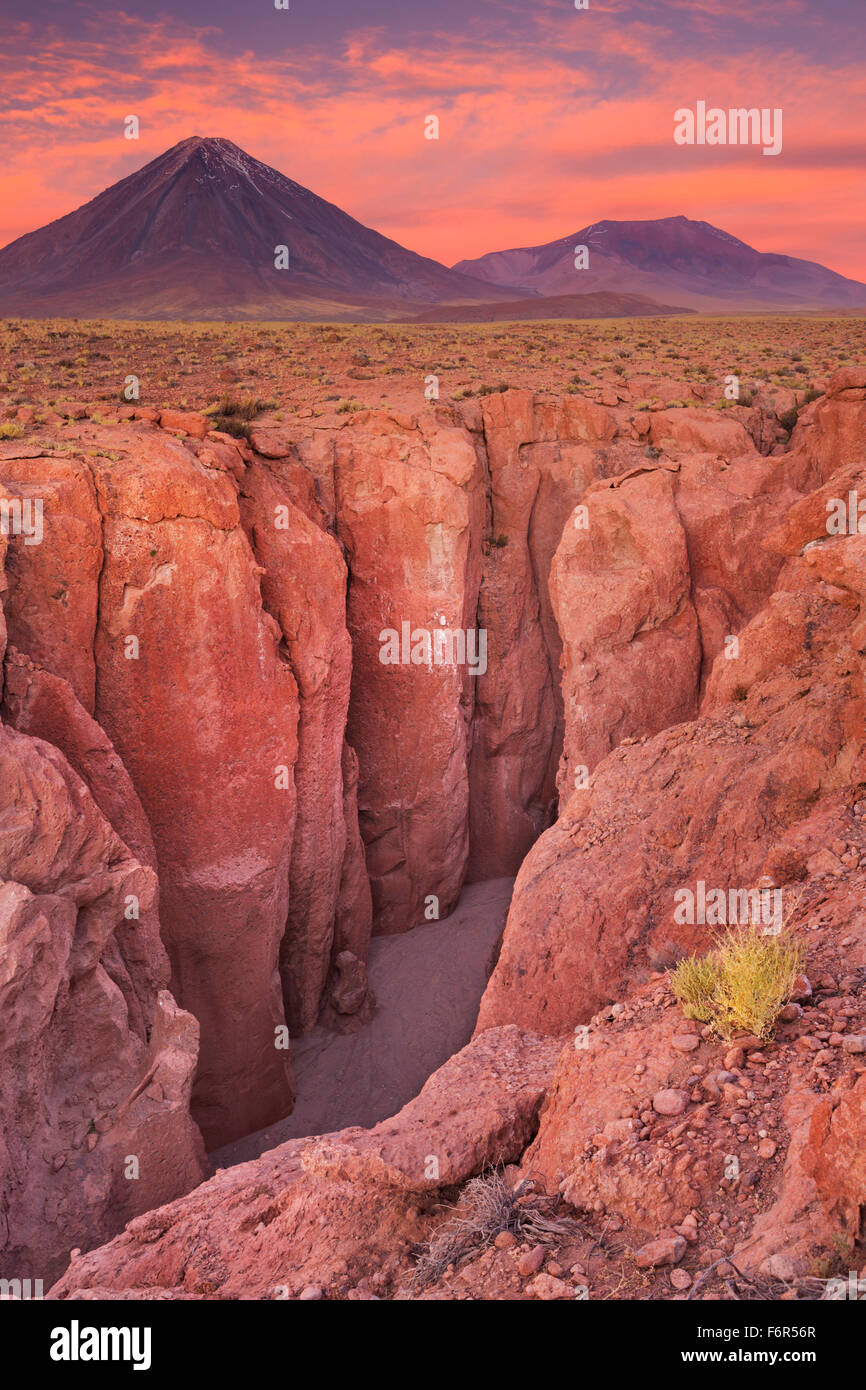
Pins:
x: 207, y: 231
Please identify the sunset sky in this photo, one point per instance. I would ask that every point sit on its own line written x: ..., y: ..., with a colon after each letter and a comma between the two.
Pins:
x: 550, y: 117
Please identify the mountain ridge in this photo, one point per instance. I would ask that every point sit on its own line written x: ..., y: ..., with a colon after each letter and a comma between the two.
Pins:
x: 680, y: 259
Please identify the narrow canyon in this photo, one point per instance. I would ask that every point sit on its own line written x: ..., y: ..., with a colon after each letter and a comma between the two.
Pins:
x: 236, y: 767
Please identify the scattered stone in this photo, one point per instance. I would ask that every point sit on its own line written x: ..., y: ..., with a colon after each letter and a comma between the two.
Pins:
x: 190, y: 421
x: 545, y: 1287
x: 711, y: 1088
x: 688, y: 1228
x: 790, y: 1013
x: 670, y: 1102
x: 530, y: 1261
x: 666, y: 1249
x: 779, y: 1266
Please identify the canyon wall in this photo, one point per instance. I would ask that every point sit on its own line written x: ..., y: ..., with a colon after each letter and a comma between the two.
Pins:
x: 96, y: 1059
x: 713, y: 685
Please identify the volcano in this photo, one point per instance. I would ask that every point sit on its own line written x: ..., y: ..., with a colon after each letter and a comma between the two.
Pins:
x: 195, y: 235
x: 676, y: 259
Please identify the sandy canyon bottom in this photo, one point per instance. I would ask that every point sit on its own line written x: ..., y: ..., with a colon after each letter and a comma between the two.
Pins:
x: 427, y: 985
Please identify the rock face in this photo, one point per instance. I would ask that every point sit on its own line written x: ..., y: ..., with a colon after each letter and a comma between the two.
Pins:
x: 53, y: 588
x: 834, y: 1155
x: 309, y: 1210
x: 304, y: 589
x: 202, y: 708
x: 621, y: 590
x: 750, y: 787
x: 457, y: 761
x: 96, y: 1059
x: 410, y: 515
x: 211, y: 754
x: 93, y: 1104
x: 539, y: 458
x: 462, y: 778
x: 451, y: 514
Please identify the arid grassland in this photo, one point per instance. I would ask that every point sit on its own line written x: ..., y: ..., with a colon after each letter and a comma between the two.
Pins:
x: 319, y: 370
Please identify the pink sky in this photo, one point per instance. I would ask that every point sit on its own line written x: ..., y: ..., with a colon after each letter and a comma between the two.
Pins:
x: 547, y: 123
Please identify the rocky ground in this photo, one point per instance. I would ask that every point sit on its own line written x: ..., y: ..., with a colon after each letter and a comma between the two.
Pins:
x: 214, y: 792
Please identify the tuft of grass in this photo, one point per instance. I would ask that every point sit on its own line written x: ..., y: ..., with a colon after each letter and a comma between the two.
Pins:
x: 693, y: 981
x: 10, y: 430
x: 741, y: 985
x: 238, y: 429
x: 232, y: 414
x: 240, y: 407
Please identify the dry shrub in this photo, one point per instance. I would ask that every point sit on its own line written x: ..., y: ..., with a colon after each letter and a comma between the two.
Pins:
x: 488, y: 1206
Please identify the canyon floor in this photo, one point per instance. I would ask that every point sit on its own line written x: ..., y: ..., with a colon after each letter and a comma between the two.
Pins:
x: 427, y: 984
x: 253, y: 876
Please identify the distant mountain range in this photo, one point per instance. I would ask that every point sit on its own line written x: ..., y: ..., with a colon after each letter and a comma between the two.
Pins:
x: 689, y: 263
x: 195, y: 235
x: 604, y: 304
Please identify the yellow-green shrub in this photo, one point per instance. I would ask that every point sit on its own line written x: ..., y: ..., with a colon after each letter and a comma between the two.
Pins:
x: 740, y: 986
